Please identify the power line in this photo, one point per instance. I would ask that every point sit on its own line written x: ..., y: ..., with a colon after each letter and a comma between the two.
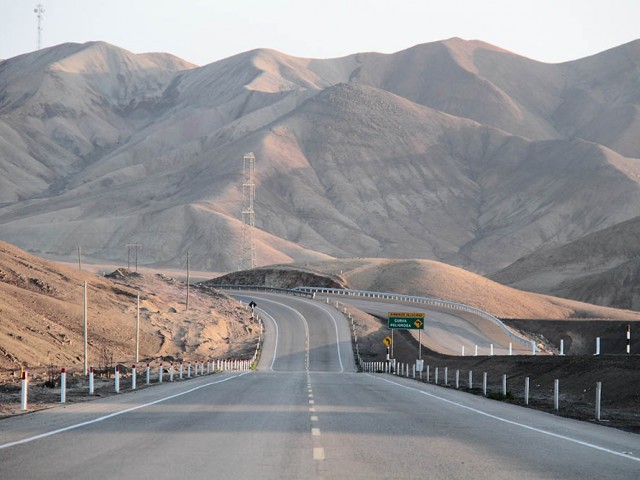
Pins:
x: 39, y: 11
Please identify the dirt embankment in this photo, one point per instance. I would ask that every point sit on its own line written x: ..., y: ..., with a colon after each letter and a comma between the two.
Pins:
x: 576, y: 372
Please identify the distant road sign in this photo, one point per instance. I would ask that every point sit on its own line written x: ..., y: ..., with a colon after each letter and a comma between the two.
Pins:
x: 406, y: 320
x: 387, y: 341
x: 253, y: 304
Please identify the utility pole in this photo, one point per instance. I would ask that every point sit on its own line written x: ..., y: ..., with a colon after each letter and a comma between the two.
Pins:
x: 137, y: 328
x: 187, y: 307
x: 85, y: 328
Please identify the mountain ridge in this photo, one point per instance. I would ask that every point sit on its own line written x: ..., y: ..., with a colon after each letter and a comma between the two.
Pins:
x: 457, y: 151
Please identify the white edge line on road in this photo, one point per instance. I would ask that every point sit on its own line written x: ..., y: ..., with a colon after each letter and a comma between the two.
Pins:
x: 111, y: 415
x: 275, y: 348
x: 511, y: 422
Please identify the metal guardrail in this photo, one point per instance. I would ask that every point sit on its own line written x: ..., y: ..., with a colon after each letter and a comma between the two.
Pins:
x: 260, y: 288
x: 419, y: 300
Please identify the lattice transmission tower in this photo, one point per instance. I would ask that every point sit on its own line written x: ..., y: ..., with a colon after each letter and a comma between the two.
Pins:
x: 247, y: 243
x: 39, y: 11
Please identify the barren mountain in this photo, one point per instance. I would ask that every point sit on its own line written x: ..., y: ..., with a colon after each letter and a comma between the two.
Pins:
x: 600, y: 268
x: 455, y: 151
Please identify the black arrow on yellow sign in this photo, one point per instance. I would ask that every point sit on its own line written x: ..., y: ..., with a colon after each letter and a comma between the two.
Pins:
x: 418, y: 323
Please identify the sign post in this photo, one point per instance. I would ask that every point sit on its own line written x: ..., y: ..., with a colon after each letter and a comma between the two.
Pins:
x: 408, y: 321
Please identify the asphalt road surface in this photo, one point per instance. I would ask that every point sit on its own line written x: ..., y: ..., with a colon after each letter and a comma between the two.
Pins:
x: 306, y: 414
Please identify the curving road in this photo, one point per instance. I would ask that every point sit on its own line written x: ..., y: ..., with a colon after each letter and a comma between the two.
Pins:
x: 447, y: 331
x: 306, y: 414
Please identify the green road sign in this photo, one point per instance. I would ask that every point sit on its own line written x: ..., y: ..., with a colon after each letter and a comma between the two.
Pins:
x: 406, y: 320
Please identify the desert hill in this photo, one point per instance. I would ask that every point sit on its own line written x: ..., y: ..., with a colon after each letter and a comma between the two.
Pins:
x: 456, y: 151
x: 41, y: 304
x: 600, y: 268
x: 428, y: 279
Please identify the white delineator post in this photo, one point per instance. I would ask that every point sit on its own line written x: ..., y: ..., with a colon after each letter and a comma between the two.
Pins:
x: 63, y: 385
x: 597, y: 346
x: 510, y: 349
x: 91, y: 386
x: 484, y: 384
x: 148, y: 379
x: 180, y: 370
x: 189, y: 370
x: 25, y: 391
x: 117, y: 378
x: 533, y: 347
x: 457, y: 379
x: 562, y: 346
x: 171, y: 372
x: 628, y: 339
x: 556, y: 394
x: 491, y: 350
x: 470, y: 379
x: 526, y: 391
x: 598, y: 399
x: 160, y: 373
x: 476, y: 352
x: 133, y: 377
x: 504, y: 385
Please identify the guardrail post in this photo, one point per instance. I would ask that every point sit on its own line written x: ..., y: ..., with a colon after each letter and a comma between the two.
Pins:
x: 526, y: 391
x: 91, y: 381
x: 24, y: 391
x: 117, y: 379
x: 556, y: 394
x: 598, y: 399
x: 133, y: 377
x: 484, y: 384
x: 63, y: 385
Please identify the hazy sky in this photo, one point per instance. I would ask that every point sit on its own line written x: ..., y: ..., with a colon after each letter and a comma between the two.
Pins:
x: 203, y: 31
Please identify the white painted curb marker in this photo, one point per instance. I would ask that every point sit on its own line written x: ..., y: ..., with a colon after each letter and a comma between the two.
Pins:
x: 24, y: 392
x: 63, y: 385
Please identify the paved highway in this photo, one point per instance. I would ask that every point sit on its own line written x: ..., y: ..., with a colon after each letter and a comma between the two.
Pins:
x: 306, y: 414
x: 447, y: 331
